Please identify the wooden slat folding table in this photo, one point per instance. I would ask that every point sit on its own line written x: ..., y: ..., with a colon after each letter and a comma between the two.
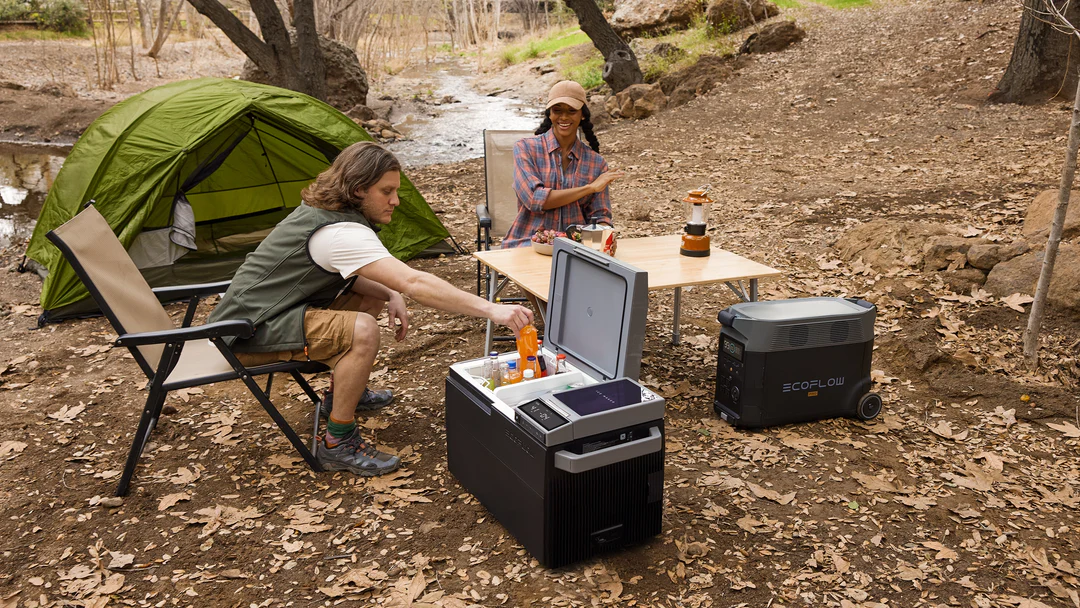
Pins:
x: 657, y: 255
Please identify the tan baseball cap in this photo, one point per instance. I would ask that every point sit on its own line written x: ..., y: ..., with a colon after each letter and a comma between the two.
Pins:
x: 568, y: 92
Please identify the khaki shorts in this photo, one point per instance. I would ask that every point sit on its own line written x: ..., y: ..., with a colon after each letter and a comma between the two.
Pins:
x: 329, y: 333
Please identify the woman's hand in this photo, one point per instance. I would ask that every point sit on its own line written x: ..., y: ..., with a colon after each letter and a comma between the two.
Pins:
x: 398, y: 314
x: 605, y: 179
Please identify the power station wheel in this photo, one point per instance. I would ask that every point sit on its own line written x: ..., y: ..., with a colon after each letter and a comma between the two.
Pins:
x: 869, y: 406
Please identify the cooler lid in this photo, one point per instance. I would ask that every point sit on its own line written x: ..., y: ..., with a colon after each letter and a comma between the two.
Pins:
x: 596, y: 312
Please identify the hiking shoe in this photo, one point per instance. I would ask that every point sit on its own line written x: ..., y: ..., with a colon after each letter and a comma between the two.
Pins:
x: 372, y: 400
x: 356, y: 456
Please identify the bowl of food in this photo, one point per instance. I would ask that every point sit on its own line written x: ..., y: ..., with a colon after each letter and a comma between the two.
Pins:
x: 544, y: 240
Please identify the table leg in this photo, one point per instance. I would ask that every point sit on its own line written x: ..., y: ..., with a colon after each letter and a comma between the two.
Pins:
x: 753, y: 290
x: 678, y: 312
x: 493, y: 280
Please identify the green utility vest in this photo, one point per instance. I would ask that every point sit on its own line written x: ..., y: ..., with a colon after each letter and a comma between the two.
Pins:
x: 279, y: 280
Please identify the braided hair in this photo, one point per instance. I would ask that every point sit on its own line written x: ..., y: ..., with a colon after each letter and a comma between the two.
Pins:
x: 586, y: 127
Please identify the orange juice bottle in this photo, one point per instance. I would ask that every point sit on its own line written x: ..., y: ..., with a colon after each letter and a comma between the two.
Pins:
x: 513, y: 375
x: 526, y: 344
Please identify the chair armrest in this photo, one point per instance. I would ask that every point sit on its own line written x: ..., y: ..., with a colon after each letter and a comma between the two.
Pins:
x: 483, y: 217
x: 178, y: 292
x: 241, y: 328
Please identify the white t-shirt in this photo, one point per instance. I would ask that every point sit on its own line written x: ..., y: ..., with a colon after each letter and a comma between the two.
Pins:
x: 345, y: 247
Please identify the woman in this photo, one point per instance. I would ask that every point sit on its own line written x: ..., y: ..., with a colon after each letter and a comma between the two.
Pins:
x: 558, y: 179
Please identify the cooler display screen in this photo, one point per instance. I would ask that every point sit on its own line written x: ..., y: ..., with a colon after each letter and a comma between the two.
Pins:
x: 732, y: 348
x: 542, y: 415
x: 601, y: 397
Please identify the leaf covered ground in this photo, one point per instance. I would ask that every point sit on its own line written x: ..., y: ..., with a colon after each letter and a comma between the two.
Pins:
x: 964, y: 492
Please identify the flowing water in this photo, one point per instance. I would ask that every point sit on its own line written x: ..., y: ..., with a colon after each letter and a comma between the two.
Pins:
x: 454, y: 134
x: 26, y: 174
x: 457, y: 132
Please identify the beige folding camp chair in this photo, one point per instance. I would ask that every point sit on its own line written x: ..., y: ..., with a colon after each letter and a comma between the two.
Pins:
x: 172, y: 358
x: 499, y: 209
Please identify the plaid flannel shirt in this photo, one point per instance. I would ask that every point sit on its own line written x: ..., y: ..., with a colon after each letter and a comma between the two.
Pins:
x: 537, y: 171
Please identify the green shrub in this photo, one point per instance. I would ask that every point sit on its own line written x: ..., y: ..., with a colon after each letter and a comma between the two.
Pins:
x: 508, y: 56
x: 68, y: 16
x: 532, y: 51
x: 589, y: 74
x: 16, y: 10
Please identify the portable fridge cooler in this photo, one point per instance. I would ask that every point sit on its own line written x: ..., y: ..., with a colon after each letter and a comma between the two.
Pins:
x: 571, y: 464
x: 785, y: 361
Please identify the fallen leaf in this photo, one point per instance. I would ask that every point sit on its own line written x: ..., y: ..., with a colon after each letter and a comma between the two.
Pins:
x: 170, y: 500
x: 1068, y: 428
x: 1016, y: 301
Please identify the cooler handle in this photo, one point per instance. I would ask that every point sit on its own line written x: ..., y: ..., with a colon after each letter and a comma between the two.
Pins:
x: 580, y: 463
x: 726, y: 317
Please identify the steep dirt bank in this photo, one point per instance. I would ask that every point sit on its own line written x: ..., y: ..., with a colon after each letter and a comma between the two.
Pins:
x: 964, y: 492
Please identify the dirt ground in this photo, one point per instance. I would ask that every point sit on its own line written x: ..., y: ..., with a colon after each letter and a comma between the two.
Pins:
x: 964, y: 492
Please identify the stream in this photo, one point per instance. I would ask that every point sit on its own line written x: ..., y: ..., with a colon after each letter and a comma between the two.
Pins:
x: 451, y: 131
x: 456, y: 132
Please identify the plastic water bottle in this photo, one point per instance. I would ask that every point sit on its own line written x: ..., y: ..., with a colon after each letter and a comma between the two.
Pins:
x: 494, y: 374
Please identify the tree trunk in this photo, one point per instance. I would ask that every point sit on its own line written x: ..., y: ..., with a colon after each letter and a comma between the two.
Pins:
x: 1041, y: 65
x: 308, y: 50
x: 165, y: 24
x: 621, y: 68
x: 145, y: 25
x: 1042, y: 289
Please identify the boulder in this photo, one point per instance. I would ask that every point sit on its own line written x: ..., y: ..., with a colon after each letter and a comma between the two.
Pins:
x: 984, y: 256
x: 773, y: 37
x: 636, y: 101
x: 668, y: 51
x: 698, y: 79
x: 346, y: 81
x: 961, y: 279
x: 1041, y: 212
x: 361, y: 113
x: 598, y: 110
x: 56, y: 89
x: 946, y: 251
x: 733, y: 15
x: 1021, y: 275
x: 636, y: 17
x: 888, y: 245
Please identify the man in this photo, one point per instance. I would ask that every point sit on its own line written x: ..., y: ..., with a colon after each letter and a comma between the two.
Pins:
x: 315, y: 286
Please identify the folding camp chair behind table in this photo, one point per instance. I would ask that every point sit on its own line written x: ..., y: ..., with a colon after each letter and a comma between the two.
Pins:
x: 172, y: 358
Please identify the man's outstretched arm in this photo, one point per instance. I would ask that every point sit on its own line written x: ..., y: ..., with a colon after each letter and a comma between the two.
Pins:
x: 432, y: 291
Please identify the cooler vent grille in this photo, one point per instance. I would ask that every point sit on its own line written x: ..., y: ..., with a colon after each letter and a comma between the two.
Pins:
x: 599, y: 499
x: 813, y: 335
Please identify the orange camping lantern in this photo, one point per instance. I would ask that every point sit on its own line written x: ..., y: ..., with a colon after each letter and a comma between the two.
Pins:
x: 695, y: 243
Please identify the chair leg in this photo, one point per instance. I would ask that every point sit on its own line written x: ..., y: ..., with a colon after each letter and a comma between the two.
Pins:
x: 147, y: 422
x: 281, y: 422
x: 315, y: 399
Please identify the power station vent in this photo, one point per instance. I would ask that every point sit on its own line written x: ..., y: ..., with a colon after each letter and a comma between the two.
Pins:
x: 815, y: 335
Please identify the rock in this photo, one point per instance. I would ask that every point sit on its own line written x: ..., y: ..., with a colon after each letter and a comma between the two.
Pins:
x: 984, y: 256
x: 698, y: 79
x: 346, y: 81
x: 56, y: 89
x: 1021, y: 275
x: 961, y: 279
x: 733, y: 15
x: 946, y: 251
x: 14, y: 86
x: 1041, y: 212
x: 773, y: 37
x: 378, y: 125
x: 361, y: 113
x: 112, y: 502
x: 388, y: 134
x: 667, y: 51
x: 636, y: 101
x: 633, y: 18
x: 888, y: 245
x: 598, y: 113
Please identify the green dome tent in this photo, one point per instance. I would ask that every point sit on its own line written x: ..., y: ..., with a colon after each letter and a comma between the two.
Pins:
x: 193, y: 174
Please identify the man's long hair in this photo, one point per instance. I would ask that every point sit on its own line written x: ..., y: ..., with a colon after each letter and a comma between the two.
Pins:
x: 357, y: 168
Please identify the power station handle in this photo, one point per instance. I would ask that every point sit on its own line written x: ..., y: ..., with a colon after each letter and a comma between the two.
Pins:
x: 579, y: 463
x: 726, y: 317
